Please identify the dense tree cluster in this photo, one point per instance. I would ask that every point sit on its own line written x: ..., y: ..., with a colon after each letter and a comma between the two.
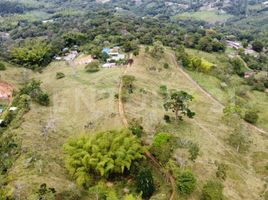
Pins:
x: 101, y: 154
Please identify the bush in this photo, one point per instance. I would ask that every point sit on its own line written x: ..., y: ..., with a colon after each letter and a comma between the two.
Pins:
x: 2, y: 67
x: 145, y: 183
x: 101, y: 154
x: 186, y: 183
x: 221, y: 171
x: 136, y: 127
x: 162, y: 147
x: 93, y: 67
x: 251, y: 116
x: 43, y: 99
x: 167, y: 118
x: 212, y: 190
x: 60, y: 75
x: 166, y: 66
x: 194, y: 151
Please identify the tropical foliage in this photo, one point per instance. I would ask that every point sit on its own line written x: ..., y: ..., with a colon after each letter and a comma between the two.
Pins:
x: 101, y: 154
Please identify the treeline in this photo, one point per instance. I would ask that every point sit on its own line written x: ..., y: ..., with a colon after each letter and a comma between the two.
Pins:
x: 101, y: 28
x: 8, y: 7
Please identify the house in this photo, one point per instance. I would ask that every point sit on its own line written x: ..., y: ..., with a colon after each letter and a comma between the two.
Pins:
x: 1, y: 110
x: 109, y: 65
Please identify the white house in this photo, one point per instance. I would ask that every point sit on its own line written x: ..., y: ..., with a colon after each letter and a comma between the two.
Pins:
x: 109, y: 65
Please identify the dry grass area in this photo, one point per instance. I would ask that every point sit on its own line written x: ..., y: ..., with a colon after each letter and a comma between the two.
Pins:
x: 207, y: 129
x: 83, y: 102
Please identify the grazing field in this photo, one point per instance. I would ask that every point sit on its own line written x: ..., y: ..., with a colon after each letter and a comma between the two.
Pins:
x: 83, y: 102
x: 208, y: 16
x: 207, y: 128
x: 254, y: 99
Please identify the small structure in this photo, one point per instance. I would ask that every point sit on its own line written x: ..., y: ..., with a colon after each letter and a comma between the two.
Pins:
x: 1, y: 110
x: 234, y: 44
x: 248, y: 74
x: 109, y: 65
x: 13, y: 108
x: 58, y: 58
x: 70, y: 56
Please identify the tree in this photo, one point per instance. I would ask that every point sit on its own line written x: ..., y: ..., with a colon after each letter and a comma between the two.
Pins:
x: 178, y: 103
x: 128, y: 81
x: 157, y: 50
x: 186, y: 183
x: 101, y: 154
x: 136, y: 52
x: 2, y: 66
x: 93, y: 67
x: 212, y: 190
x: 251, y: 116
x: 145, y: 183
x: 257, y: 46
x: 32, y: 53
x: 237, y: 65
x: 239, y: 140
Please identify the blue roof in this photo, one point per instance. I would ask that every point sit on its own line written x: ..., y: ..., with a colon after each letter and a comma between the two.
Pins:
x: 106, y: 50
x: 1, y: 110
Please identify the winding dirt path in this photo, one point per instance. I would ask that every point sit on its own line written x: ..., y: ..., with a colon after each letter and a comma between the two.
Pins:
x: 123, y: 117
x: 205, y: 92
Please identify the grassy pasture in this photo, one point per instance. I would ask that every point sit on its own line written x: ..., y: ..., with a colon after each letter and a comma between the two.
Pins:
x: 254, y: 99
x: 208, y: 16
x: 83, y: 102
x: 207, y: 129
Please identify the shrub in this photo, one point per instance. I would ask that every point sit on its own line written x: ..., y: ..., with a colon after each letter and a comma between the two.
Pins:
x: 101, y: 154
x: 43, y: 99
x: 2, y: 66
x: 251, y: 116
x: 186, y: 183
x: 221, y: 171
x: 93, y: 67
x: 167, y: 118
x: 212, y: 190
x: 136, y: 127
x: 194, y: 151
x: 145, y: 183
x: 60, y: 75
x: 166, y: 66
x: 163, y: 91
x: 162, y: 147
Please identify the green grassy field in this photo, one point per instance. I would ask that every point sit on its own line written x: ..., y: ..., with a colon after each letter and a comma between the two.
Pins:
x: 208, y: 16
x: 255, y: 99
x: 83, y: 102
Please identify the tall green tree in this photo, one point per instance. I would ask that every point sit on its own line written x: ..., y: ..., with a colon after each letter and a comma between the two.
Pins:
x: 178, y: 103
x: 145, y: 183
